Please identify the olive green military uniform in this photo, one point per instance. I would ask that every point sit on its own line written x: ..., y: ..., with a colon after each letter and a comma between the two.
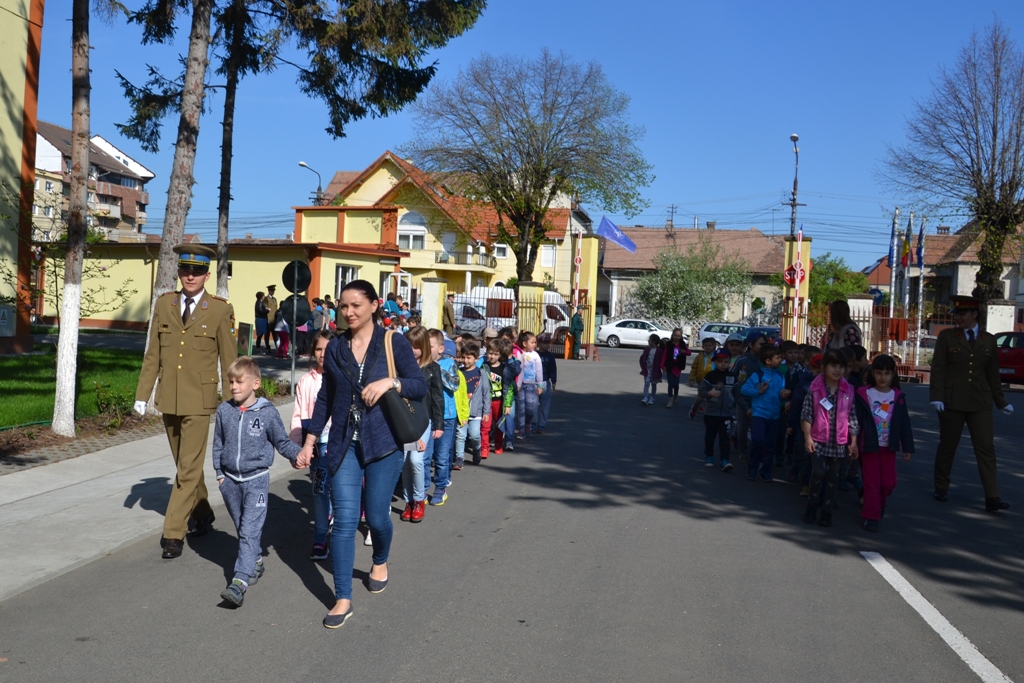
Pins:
x: 448, y: 319
x: 183, y: 356
x: 966, y: 379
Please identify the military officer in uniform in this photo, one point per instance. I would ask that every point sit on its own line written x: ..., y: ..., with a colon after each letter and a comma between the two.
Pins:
x: 964, y: 386
x: 190, y: 331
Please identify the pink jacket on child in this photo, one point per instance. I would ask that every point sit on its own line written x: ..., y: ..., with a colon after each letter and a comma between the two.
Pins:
x: 305, y: 401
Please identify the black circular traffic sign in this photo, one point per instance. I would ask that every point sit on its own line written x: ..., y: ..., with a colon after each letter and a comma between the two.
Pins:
x: 301, y: 306
x: 296, y: 277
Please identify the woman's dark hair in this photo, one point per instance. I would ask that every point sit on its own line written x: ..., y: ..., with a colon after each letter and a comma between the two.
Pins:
x: 882, y: 362
x: 322, y: 334
x: 835, y: 357
x: 839, y: 311
x: 524, y: 336
x: 367, y: 290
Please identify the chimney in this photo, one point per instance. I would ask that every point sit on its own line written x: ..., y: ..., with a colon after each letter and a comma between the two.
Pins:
x: 248, y: 235
x: 711, y: 225
x: 943, y: 230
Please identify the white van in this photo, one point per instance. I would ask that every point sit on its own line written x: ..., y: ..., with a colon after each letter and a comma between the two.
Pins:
x: 496, y: 307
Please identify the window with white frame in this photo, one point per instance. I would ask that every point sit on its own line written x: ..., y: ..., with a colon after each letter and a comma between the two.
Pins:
x: 412, y: 231
x: 49, y: 186
x: 500, y: 251
x: 47, y: 211
x: 343, y: 276
x: 547, y: 256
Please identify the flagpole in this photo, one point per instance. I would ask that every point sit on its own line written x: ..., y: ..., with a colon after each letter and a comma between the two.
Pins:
x: 796, y: 285
x: 920, y: 291
x: 576, y: 262
x: 906, y: 284
x: 892, y: 277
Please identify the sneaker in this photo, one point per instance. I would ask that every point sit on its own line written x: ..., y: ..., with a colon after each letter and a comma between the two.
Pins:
x: 751, y: 475
x: 457, y: 465
x: 419, y: 509
x: 257, y: 572
x: 670, y: 402
x: 497, y: 451
x: 693, y: 412
x: 726, y: 466
x: 483, y: 455
x: 765, y: 477
x: 539, y: 430
x: 510, y: 447
x: 805, y: 491
x: 871, y: 525
x: 406, y: 514
x: 369, y: 539
x: 643, y: 402
x: 709, y: 461
x: 439, y: 497
x: 234, y: 593
x: 320, y: 551
x: 520, y: 436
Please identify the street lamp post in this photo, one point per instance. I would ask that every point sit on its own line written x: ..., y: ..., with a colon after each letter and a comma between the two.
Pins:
x: 319, y: 184
x: 796, y: 171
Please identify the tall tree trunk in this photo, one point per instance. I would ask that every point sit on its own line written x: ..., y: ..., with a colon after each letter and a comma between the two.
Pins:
x: 988, y: 282
x: 71, y: 299
x: 179, y: 192
x: 226, y: 153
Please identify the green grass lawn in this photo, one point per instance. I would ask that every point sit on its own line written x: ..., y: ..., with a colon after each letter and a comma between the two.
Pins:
x: 28, y: 383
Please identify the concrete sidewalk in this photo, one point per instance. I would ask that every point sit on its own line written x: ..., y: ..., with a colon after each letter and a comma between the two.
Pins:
x: 60, y: 516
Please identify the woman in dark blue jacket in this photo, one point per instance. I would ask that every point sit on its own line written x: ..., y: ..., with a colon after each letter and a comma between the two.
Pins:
x: 360, y: 447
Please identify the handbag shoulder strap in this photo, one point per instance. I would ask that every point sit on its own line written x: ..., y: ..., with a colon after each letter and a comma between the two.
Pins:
x: 390, y: 352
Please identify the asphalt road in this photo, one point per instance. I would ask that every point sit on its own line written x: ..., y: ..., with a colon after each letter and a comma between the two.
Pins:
x: 601, y: 551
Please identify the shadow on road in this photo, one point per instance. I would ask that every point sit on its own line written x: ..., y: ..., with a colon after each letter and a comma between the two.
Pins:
x: 151, y: 494
x: 604, y: 450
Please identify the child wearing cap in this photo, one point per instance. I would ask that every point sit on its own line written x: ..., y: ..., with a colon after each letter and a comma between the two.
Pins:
x: 716, y: 390
x: 702, y: 365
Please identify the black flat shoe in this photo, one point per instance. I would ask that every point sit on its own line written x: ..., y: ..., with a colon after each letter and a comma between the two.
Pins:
x: 337, y: 620
x: 940, y: 495
x: 173, y: 548
x: 376, y: 586
x: 996, y: 505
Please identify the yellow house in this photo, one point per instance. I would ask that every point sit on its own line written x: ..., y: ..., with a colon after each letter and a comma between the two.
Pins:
x: 451, y: 237
x: 19, y: 78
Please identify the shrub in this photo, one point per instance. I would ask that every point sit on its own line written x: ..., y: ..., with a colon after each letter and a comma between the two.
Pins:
x: 115, y: 402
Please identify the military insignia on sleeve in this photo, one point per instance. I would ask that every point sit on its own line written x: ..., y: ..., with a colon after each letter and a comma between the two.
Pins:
x: 206, y: 304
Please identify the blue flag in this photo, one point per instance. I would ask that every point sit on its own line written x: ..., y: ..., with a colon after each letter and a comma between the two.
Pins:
x: 920, y: 246
x: 892, y: 245
x: 612, y: 233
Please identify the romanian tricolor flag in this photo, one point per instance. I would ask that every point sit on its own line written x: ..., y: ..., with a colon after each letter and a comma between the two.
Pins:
x: 905, y: 252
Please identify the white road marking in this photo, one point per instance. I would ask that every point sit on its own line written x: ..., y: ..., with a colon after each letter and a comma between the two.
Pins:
x: 986, y: 670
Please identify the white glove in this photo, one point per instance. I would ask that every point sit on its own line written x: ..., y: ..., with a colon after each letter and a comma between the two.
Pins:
x: 1008, y: 409
x: 939, y: 406
x: 140, y: 408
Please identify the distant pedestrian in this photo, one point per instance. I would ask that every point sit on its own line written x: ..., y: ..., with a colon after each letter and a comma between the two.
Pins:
x: 576, y: 328
x: 674, y: 361
x: 651, y: 368
x: 881, y: 404
x: 765, y: 389
x: 716, y: 388
x: 262, y: 314
x: 702, y: 365
x: 744, y: 366
x: 272, y: 309
x: 842, y: 330
x: 247, y: 431
x: 283, y: 336
x: 448, y: 316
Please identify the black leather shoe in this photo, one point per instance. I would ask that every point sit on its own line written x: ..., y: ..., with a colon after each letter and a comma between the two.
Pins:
x: 201, y: 526
x: 995, y: 505
x: 172, y: 548
x: 940, y: 495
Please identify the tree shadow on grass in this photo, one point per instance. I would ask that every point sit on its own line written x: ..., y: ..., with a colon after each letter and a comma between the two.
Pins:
x: 603, y: 451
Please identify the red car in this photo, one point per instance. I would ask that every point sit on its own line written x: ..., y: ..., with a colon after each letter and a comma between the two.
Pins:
x: 1011, y: 356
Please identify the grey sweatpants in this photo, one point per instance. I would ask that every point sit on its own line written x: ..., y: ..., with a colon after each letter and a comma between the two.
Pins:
x: 246, y: 502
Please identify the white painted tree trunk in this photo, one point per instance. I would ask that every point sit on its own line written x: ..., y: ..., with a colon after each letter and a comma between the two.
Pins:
x: 71, y: 299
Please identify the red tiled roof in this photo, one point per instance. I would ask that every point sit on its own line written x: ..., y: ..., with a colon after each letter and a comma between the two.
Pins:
x: 960, y: 247
x: 762, y: 254
x: 340, y: 181
x: 478, y: 219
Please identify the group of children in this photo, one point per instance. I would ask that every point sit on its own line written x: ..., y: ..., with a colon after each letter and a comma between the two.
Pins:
x: 838, y: 421
x: 482, y: 396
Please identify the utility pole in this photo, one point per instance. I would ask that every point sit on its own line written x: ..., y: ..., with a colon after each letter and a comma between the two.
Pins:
x: 792, y: 202
x: 672, y: 208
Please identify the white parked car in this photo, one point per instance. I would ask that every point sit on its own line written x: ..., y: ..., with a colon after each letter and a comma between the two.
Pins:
x: 631, y: 333
x: 719, y: 331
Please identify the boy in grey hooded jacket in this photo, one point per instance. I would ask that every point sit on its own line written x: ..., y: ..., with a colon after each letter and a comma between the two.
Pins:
x: 247, y: 431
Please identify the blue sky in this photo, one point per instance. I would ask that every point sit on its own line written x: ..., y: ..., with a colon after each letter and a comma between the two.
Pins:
x: 718, y: 86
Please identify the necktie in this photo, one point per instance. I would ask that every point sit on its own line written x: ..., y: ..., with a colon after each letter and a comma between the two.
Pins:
x: 185, y: 310
x: 970, y: 338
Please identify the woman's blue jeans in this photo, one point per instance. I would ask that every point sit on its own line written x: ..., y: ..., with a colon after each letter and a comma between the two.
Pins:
x: 347, y: 495
x: 321, y: 494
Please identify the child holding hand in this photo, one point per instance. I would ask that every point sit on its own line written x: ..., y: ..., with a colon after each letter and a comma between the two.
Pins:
x: 881, y: 403
x: 650, y: 367
x: 830, y: 426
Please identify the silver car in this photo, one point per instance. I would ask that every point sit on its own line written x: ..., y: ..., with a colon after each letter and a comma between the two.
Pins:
x: 630, y: 332
x: 719, y: 331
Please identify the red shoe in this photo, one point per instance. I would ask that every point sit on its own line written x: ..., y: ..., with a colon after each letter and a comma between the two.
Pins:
x: 484, y: 454
x: 418, y: 510
x: 499, y: 450
x: 406, y: 513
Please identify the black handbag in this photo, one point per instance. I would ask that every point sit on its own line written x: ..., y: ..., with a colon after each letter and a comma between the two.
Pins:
x: 407, y: 418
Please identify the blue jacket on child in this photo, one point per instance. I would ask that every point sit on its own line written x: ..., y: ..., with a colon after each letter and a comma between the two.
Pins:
x: 767, y: 405
x: 244, y: 441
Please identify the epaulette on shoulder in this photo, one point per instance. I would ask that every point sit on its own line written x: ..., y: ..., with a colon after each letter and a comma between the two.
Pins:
x: 220, y: 298
x: 172, y: 292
